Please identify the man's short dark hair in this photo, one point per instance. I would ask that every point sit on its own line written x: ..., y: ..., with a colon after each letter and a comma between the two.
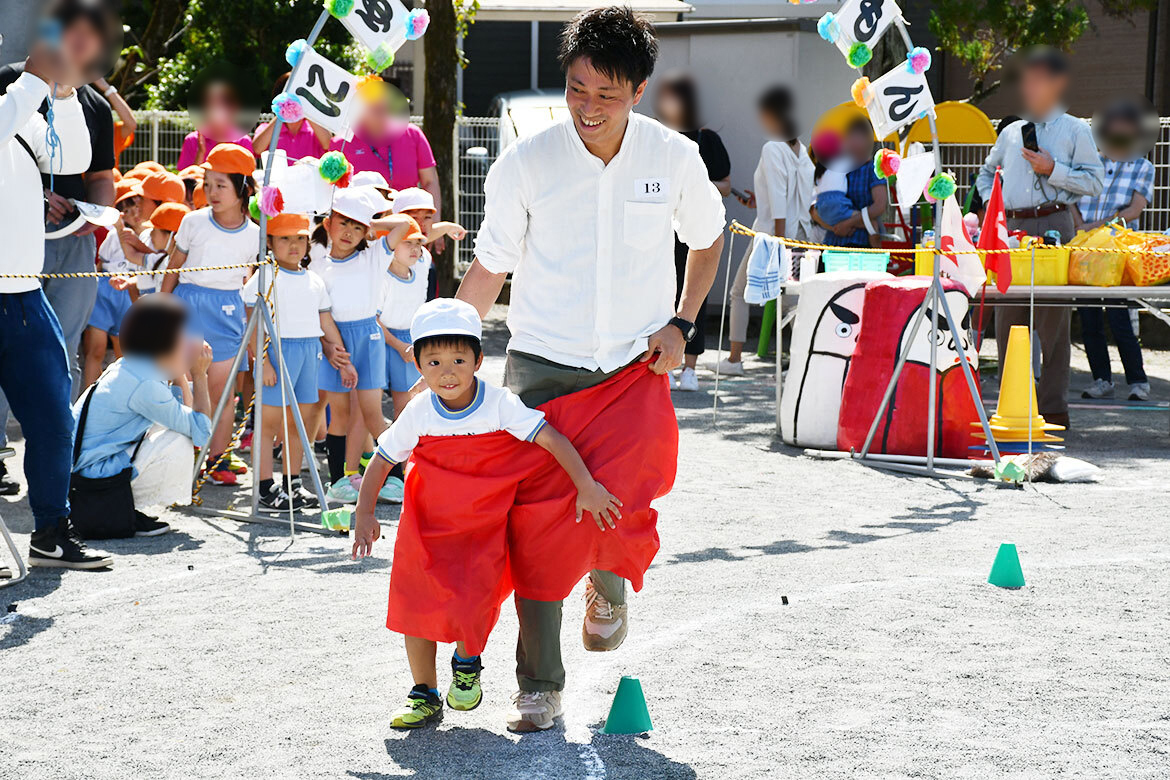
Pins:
x: 618, y: 43
x: 453, y: 340
x: 1048, y: 59
x: 153, y: 325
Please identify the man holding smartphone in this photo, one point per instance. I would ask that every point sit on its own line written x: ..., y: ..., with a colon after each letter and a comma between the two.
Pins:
x: 1049, y: 162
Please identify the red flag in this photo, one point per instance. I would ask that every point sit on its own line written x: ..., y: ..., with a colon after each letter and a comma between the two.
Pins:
x: 994, y: 235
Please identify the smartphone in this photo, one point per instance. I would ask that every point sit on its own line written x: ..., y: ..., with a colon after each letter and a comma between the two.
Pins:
x: 740, y: 194
x: 1028, y: 131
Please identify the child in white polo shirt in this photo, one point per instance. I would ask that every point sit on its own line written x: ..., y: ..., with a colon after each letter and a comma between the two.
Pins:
x: 464, y: 582
x: 307, y: 331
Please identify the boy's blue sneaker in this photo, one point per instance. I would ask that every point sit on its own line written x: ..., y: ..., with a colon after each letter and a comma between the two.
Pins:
x: 345, y: 490
x: 465, y: 693
x: 422, y: 709
x: 392, y: 491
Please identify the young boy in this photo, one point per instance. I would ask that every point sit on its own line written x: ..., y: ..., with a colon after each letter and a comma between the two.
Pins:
x: 450, y: 558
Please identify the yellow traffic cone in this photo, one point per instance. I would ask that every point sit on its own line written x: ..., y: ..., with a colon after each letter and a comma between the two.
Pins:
x: 1017, y: 394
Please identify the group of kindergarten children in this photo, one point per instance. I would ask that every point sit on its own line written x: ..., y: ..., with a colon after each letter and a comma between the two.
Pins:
x: 343, y: 293
x: 485, y: 512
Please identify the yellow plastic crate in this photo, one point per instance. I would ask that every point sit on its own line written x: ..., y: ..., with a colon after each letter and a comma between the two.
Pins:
x: 1051, y: 265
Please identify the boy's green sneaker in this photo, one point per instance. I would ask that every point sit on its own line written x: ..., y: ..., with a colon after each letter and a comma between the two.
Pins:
x: 392, y: 491
x: 422, y: 709
x: 345, y: 490
x: 465, y: 693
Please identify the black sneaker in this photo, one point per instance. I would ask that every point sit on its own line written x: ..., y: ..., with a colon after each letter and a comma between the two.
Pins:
x: 60, y: 547
x: 145, y: 525
x: 8, y: 485
x: 297, y: 490
x: 276, y: 500
x: 320, y: 448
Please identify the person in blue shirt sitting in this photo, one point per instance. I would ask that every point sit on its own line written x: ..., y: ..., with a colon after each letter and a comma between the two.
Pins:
x: 142, y: 419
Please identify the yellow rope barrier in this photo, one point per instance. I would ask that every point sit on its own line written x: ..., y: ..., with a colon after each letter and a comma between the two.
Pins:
x: 144, y: 272
x: 740, y: 229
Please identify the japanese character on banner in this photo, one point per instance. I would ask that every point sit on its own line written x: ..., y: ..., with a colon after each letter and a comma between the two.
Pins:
x: 382, y: 26
x: 895, y: 100
x: 857, y: 27
x: 327, y: 93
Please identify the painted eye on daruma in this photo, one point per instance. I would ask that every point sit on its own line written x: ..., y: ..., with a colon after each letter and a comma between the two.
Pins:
x: 844, y: 330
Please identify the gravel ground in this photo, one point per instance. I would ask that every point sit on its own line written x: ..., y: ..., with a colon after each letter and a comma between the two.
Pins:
x: 225, y: 650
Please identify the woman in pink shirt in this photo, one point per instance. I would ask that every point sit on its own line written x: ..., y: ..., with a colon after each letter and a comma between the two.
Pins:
x: 298, y: 139
x: 220, y: 106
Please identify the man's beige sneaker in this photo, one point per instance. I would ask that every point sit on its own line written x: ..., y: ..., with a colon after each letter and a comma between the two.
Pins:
x: 605, y: 624
x: 534, y: 711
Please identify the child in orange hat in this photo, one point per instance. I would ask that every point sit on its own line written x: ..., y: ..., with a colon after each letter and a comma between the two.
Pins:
x: 218, y: 235
x: 161, y: 187
x: 302, y: 308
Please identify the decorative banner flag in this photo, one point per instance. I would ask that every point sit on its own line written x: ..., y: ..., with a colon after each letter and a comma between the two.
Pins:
x: 959, y: 260
x: 859, y: 22
x: 897, y: 99
x: 994, y: 235
x: 913, y: 174
x: 301, y: 185
x: 326, y: 92
x: 382, y: 26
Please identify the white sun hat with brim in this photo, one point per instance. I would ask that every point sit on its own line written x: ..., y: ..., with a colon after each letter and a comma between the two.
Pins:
x: 446, y: 317
x: 360, y: 204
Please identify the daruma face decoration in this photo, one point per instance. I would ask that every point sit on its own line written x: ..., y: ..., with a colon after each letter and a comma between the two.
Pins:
x: 824, y: 336
x: 889, y: 312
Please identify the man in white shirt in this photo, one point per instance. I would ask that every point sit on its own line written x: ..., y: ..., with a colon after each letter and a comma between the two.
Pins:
x: 34, y: 371
x: 583, y: 215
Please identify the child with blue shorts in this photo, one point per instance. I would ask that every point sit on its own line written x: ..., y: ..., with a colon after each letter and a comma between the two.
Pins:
x: 302, y: 307
x: 354, y: 274
x: 218, y: 235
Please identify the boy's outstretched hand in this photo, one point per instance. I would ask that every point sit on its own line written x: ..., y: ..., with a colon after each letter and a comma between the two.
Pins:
x: 365, y: 532
x: 599, y: 502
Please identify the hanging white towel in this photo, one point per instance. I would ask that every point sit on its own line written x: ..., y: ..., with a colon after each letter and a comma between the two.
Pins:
x: 763, y: 272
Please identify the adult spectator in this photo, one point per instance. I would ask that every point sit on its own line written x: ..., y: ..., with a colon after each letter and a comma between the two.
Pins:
x: 218, y: 106
x: 677, y: 107
x: 89, y: 32
x: 1128, y: 189
x: 782, y: 198
x: 865, y: 190
x: 297, y: 139
x: 126, y: 125
x: 586, y: 302
x: 34, y: 371
x: 1039, y: 188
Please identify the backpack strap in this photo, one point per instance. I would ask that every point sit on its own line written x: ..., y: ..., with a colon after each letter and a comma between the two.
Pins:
x: 28, y: 149
x: 79, y: 434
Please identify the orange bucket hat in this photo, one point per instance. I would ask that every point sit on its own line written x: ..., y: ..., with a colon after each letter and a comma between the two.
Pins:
x: 168, y: 216
x: 289, y: 225
x: 231, y: 158
x: 164, y: 187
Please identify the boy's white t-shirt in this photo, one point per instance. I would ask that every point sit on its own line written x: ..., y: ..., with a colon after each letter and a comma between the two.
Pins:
x: 403, y: 297
x: 298, y: 300
x: 111, y: 254
x: 209, y: 244
x: 355, y: 284
x: 493, y: 409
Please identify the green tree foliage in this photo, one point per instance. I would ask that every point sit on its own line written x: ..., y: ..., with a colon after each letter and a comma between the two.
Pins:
x: 983, y: 34
x: 245, y: 37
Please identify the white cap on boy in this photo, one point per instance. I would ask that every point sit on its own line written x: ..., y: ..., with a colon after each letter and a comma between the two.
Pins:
x: 359, y: 203
x: 370, y: 179
x: 446, y: 317
x: 413, y: 198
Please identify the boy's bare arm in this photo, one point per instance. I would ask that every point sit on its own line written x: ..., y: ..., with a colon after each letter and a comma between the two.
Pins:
x: 592, y: 497
x: 366, y: 529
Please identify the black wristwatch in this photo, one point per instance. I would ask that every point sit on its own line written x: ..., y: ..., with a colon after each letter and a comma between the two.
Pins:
x: 687, y: 327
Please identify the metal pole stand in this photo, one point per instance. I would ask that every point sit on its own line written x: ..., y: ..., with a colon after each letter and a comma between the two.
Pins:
x: 6, y: 577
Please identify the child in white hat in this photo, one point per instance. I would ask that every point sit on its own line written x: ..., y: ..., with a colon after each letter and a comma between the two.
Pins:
x: 450, y: 557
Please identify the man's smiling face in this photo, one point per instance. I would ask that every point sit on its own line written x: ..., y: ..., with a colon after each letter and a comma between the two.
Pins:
x: 600, y: 105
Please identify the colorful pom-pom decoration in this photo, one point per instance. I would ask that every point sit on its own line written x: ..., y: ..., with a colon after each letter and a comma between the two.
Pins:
x: 417, y: 22
x: 918, y: 60
x: 859, y: 55
x: 369, y: 87
x: 380, y: 58
x: 271, y: 201
x: 886, y: 163
x: 288, y: 107
x: 333, y: 167
x: 941, y: 187
x: 828, y: 27
x: 339, y: 9
x: 346, y: 178
x: 254, y: 207
x: 295, y: 51
x: 858, y: 91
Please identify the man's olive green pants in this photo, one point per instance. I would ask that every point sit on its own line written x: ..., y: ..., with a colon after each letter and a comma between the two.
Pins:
x: 538, y: 649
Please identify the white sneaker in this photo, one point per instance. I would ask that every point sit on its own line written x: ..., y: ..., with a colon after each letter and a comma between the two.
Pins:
x: 1139, y: 391
x: 726, y: 368
x: 688, y: 381
x: 534, y: 710
x: 1099, y: 389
